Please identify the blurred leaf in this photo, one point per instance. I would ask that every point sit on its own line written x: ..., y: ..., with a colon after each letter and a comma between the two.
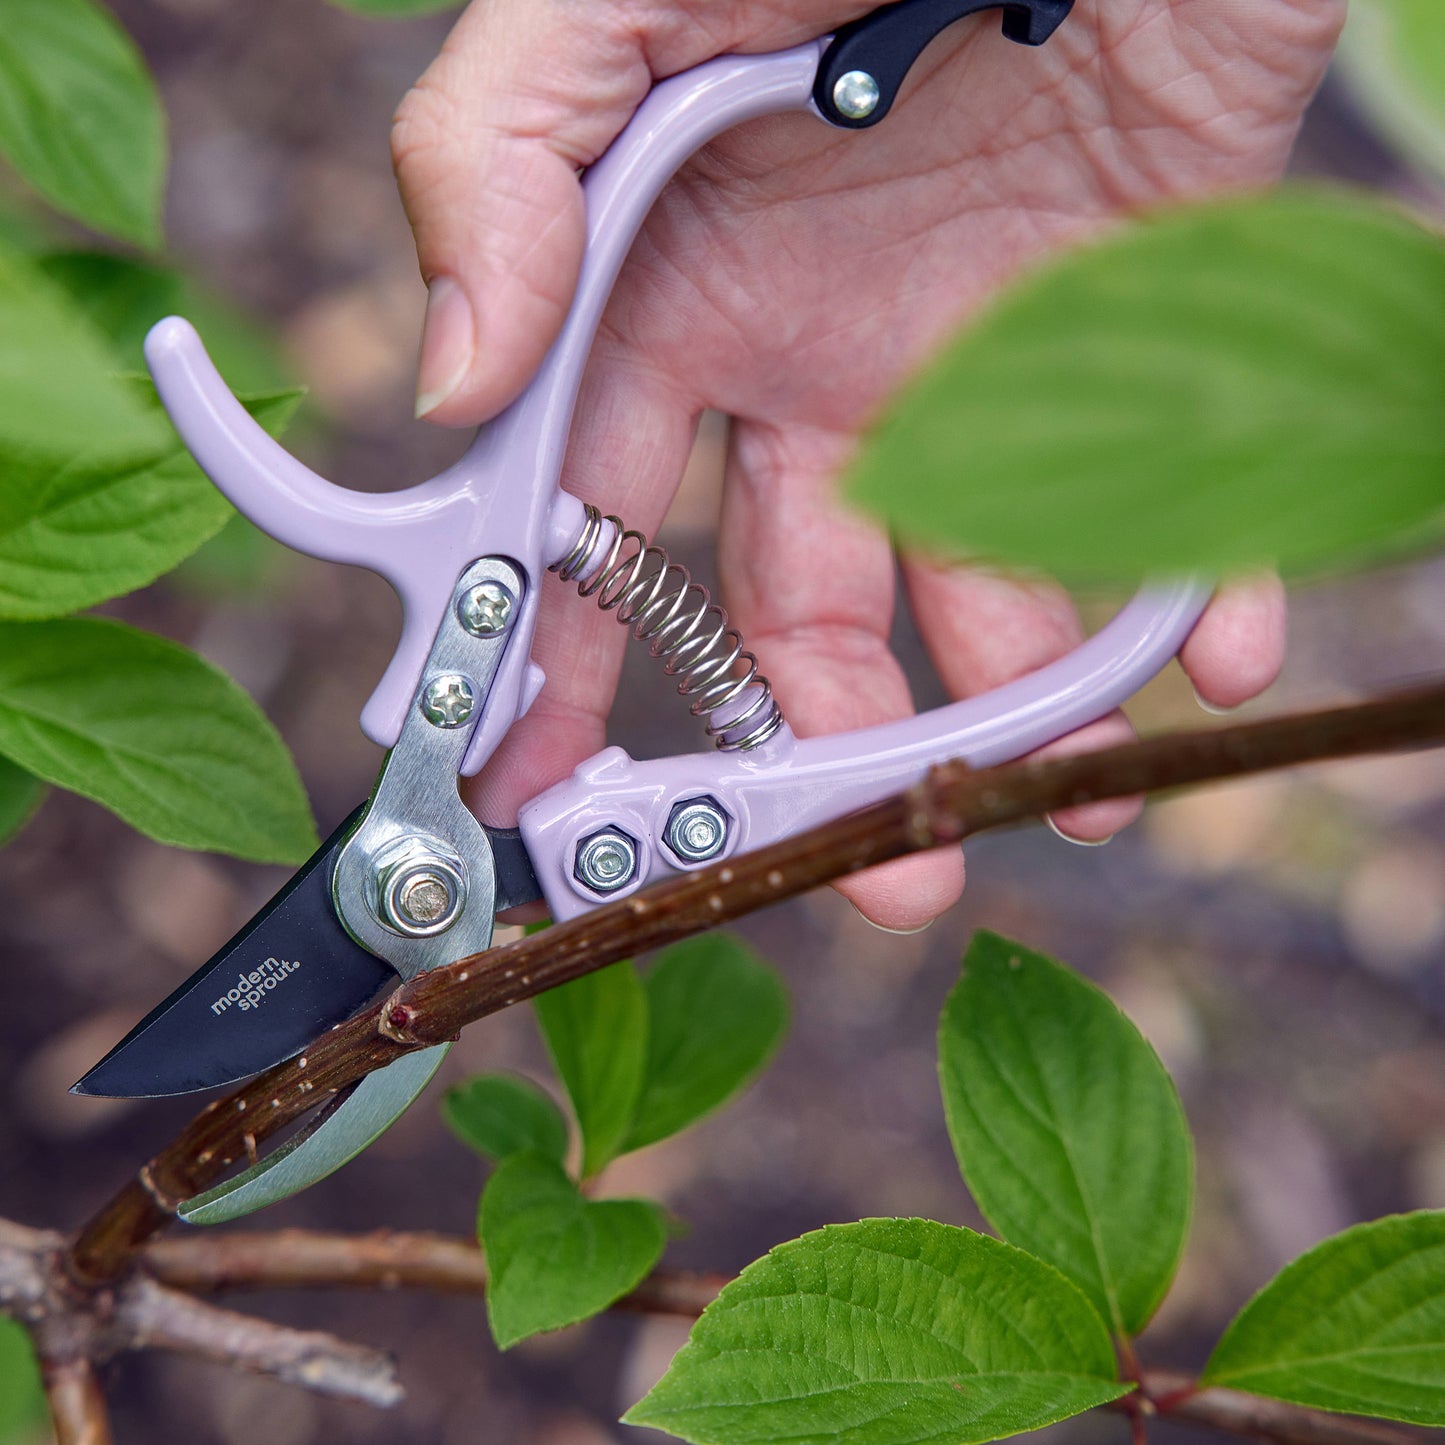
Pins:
x: 240, y: 559
x: 886, y: 1332
x: 22, y: 1400
x: 78, y: 530
x: 596, y: 1032
x: 1393, y: 55
x: 715, y: 1014
x: 123, y: 298
x: 79, y: 116
x: 499, y: 1115
x: 553, y: 1257
x: 1357, y: 1324
x: 385, y: 8
x: 1069, y: 1133
x: 1249, y: 382
x: 59, y: 394
x: 20, y: 795
x: 152, y: 732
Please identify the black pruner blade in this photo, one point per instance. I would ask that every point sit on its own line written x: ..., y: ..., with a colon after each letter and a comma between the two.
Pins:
x: 288, y: 975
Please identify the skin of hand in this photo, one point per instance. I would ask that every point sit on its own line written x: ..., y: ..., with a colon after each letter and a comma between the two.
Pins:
x: 793, y: 276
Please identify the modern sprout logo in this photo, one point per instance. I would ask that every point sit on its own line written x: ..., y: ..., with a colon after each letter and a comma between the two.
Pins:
x: 250, y: 989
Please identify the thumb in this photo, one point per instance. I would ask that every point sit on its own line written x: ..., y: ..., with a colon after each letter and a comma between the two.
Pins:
x: 488, y: 146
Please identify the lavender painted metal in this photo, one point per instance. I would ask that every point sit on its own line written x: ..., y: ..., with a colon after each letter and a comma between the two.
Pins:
x: 502, y: 499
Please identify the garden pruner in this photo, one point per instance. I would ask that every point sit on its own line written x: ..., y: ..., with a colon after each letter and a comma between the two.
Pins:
x: 412, y: 880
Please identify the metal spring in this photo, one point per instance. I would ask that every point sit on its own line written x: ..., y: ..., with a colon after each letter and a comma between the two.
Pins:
x: 684, y: 628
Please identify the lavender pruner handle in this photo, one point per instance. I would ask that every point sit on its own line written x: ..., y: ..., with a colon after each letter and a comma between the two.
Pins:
x: 790, y: 784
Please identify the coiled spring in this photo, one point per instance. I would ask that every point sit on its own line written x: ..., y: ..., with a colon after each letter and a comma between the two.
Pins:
x: 684, y: 628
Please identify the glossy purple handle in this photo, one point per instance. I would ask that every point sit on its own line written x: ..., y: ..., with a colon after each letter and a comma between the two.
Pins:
x: 790, y: 784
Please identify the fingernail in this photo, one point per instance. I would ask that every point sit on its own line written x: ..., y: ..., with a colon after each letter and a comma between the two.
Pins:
x: 1058, y: 832
x: 1214, y: 707
x: 883, y: 928
x: 448, y: 344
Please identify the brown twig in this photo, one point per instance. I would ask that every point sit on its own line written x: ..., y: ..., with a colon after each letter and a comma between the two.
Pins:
x: 77, y: 1404
x: 1255, y: 1418
x: 74, y: 1330
x: 952, y: 803
x: 385, y: 1259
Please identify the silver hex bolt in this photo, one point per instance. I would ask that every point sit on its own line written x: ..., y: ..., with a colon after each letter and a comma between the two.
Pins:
x: 417, y: 890
x: 486, y: 609
x: 697, y: 830
x: 606, y: 861
x: 856, y: 95
x: 448, y: 700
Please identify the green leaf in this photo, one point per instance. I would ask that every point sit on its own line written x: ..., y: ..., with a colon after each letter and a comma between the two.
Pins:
x: 889, y: 1330
x: 78, y: 530
x: 1069, y: 1133
x: 715, y: 1014
x: 398, y: 7
x: 554, y: 1257
x: 124, y: 297
x: 22, y: 1400
x: 20, y: 796
x: 499, y: 1115
x: 1249, y: 382
x: 596, y: 1032
x: 1393, y: 55
x: 150, y: 731
x: 58, y: 390
x: 79, y: 116
x: 1357, y: 1324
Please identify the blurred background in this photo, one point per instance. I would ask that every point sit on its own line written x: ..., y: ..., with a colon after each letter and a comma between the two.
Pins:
x: 1281, y: 942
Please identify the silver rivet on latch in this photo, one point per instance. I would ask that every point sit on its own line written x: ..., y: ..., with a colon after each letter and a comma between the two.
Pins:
x: 606, y: 861
x: 856, y: 95
x: 697, y: 830
x: 486, y: 609
x: 448, y: 700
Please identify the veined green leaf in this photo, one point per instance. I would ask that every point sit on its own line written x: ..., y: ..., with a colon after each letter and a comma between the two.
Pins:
x: 1244, y: 383
x: 1068, y: 1131
x: 20, y: 796
x: 153, y: 733
x: 79, y: 115
x: 715, y: 1014
x: 499, y: 1115
x: 1393, y: 56
x: 886, y: 1332
x: 553, y: 1257
x: 1357, y: 1325
x: 596, y: 1032
x: 77, y: 530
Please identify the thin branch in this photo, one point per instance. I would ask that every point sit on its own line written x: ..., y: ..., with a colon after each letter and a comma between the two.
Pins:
x: 387, y: 1260
x: 77, y: 1404
x: 1254, y: 1418
x: 154, y: 1317
x: 74, y: 1330
x: 952, y: 803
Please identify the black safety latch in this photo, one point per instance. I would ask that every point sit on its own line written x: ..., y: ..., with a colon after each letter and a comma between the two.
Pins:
x: 865, y: 66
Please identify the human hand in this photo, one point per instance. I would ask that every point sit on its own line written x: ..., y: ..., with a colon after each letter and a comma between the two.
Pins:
x: 792, y: 276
